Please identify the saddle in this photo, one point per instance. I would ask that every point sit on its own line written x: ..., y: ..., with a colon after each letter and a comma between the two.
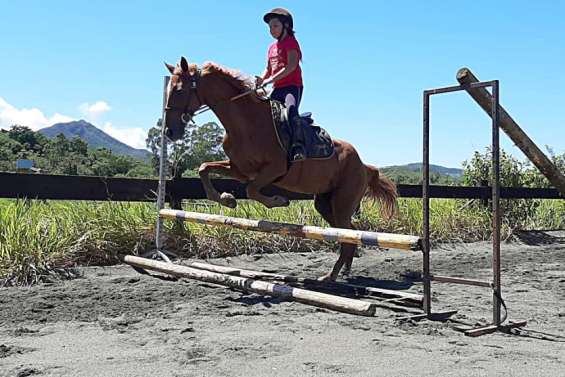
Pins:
x: 317, y: 141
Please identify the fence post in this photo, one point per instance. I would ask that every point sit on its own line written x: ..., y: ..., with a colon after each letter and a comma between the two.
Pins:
x: 175, y: 202
x: 485, y: 199
x: 161, y: 190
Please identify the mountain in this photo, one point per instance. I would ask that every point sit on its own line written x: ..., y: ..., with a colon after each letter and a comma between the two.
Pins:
x: 417, y: 167
x: 94, y: 137
x: 412, y: 174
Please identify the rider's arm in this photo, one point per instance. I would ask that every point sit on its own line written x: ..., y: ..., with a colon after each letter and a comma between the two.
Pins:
x: 261, y: 79
x: 292, y: 63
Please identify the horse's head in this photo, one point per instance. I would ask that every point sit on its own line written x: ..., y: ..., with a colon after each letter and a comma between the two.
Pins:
x: 182, y: 98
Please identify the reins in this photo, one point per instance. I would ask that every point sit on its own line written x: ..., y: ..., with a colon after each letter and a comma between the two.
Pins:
x: 204, y: 108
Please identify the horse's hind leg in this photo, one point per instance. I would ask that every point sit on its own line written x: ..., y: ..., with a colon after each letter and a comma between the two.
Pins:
x: 225, y: 168
x: 323, y: 204
x: 344, y: 202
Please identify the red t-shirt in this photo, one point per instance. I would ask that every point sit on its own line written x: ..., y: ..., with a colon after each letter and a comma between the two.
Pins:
x: 278, y: 58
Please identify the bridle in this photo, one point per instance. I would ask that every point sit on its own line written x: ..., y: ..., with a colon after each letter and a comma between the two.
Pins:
x: 188, y: 116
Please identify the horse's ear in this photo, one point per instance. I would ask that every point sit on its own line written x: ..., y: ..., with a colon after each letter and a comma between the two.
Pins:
x: 170, y: 68
x: 184, y: 64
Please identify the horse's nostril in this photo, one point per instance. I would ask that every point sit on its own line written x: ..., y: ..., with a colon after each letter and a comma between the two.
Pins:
x: 168, y: 132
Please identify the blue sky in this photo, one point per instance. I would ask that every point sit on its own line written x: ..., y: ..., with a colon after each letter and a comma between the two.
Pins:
x: 365, y: 65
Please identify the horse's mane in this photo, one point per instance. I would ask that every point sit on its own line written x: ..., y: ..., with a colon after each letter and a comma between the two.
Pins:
x: 239, y: 80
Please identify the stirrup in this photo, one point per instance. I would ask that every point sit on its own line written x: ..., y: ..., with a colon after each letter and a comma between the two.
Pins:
x: 298, y: 157
x: 298, y: 152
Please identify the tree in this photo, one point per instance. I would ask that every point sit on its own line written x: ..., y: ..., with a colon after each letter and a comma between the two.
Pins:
x: 199, y: 144
x: 63, y: 156
x: 33, y: 141
x: 107, y: 164
x: 532, y: 176
x: 513, y: 173
x: 8, y: 150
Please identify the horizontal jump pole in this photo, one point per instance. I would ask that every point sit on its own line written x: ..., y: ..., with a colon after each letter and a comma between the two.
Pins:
x: 357, y: 237
x: 341, y: 304
x: 411, y: 298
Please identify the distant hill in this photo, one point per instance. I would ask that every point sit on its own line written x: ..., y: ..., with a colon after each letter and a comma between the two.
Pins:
x: 417, y: 167
x: 94, y: 137
x: 412, y: 173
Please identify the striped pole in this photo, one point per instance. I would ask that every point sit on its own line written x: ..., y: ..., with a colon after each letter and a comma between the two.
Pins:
x: 357, y: 237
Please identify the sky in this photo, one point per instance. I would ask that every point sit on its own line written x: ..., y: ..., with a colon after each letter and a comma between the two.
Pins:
x: 365, y: 66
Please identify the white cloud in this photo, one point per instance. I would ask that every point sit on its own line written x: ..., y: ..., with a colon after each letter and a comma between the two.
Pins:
x: 93, y: 111
x: 35, y: 119
x: 32, y: 118
x: 134, y: 137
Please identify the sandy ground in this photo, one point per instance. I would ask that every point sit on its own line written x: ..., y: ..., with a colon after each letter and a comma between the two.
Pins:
x: 115, y: 322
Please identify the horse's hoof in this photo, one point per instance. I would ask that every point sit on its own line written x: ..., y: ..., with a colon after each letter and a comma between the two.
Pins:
x: 280, y: 201
x: 228, y: 200
x: 327, y: 277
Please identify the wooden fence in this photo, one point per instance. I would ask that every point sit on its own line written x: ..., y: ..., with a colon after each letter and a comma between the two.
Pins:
x: 66, y: 187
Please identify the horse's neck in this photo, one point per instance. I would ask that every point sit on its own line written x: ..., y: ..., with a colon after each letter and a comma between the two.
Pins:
x: 240, y: 117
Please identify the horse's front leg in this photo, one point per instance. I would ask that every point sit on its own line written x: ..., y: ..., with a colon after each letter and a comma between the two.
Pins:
x: 265, y: 177
x: 224, y: 168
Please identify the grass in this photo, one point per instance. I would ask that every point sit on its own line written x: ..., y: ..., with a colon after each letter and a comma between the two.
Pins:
x: 40, y: 238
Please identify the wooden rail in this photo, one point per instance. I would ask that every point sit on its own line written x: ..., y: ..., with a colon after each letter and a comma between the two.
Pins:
x: 342, y: 304
x: 395, y: 296
x: 357, y: 237
x: 513, y: 130
x: 66, y: 187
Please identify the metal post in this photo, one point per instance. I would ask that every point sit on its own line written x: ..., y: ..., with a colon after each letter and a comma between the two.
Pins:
x: 493, y: 108
x: 161, y: 192
x: 426, y: 207
x: 495, y: 205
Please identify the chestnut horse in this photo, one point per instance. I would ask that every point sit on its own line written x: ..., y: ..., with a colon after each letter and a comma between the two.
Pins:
x: 255, y: 157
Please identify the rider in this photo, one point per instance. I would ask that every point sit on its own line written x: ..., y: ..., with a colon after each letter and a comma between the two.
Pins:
x: 283, y: 70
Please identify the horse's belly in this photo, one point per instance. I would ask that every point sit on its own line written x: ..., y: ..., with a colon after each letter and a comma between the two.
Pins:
x: 310, y: 177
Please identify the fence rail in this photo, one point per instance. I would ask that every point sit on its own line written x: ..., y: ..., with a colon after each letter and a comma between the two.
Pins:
x: 66, y: 187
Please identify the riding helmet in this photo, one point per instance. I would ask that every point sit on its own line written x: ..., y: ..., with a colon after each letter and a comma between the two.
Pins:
x: 280, y: 13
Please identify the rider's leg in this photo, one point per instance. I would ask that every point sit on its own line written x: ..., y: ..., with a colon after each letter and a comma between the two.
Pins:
x: 298, y: 151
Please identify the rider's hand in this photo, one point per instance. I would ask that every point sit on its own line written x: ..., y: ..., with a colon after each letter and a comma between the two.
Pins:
x: 258, y: 81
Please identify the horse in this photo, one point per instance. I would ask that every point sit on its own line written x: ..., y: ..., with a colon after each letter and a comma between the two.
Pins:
x: 256, y: 158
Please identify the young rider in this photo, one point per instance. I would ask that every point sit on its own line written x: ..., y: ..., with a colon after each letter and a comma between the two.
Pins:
x: 283, y: 71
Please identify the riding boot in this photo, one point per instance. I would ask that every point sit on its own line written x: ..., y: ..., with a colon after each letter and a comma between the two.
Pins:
x: 297, y: 150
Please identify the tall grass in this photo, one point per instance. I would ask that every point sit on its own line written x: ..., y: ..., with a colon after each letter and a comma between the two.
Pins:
x: 40, y: 237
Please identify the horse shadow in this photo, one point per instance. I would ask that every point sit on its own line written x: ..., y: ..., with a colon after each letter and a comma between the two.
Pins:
x: 538, y: 238
x: 351, y: 287
x: 406, y: 283
x: 252, y: 299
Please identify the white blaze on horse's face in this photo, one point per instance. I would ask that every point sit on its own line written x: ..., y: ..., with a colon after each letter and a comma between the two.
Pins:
x: 175, y: 82
x: 169, y: 88
x: 174, y: 123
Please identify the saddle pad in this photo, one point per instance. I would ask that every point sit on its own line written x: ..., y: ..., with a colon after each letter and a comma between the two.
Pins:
x: 317, y: 141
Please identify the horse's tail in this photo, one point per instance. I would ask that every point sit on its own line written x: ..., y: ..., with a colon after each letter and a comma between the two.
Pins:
x: 383, y: 189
